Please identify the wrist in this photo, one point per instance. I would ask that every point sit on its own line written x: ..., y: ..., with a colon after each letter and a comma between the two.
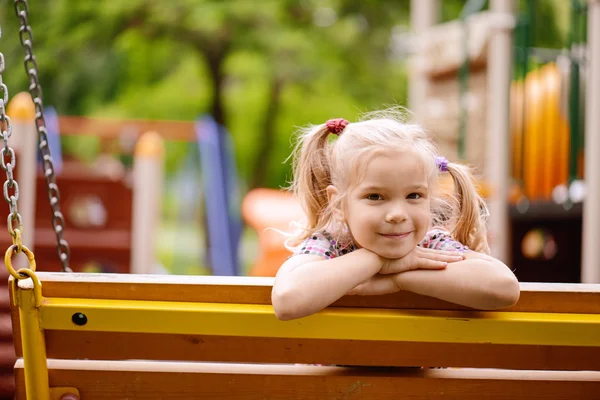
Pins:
x: 398, y: 279
x: 373, y: 261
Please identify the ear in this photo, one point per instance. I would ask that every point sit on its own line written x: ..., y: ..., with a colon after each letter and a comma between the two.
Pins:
x: 332, y: 197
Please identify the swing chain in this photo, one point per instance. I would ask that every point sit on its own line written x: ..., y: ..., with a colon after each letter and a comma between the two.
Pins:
x: 31, y: 68
x: 11, y: 183
x: 9, y: 166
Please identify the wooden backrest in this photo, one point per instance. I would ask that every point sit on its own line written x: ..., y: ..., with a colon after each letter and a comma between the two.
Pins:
x: 230, y: 319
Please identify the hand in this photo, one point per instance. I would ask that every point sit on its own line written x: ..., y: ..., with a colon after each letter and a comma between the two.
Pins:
x: 421, y: 258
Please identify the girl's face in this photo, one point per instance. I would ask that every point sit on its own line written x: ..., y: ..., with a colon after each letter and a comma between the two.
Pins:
x: 388, y: 212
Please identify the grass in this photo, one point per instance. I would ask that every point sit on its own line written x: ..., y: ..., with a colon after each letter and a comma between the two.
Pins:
x: 181, y: 249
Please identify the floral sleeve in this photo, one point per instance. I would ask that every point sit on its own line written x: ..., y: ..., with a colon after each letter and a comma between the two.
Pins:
x: 321, y: 244
x: 439, y: 239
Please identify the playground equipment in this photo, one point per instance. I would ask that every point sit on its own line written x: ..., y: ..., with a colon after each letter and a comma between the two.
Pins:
x: 138, y: 222
x: 99, y: 217
x: 549, y: 103
x: 217, y: 337
x: 73, y: 331
x: 540, y: 140
x: 218, y: 173
x: 268, y: 211
x: 462, y: 72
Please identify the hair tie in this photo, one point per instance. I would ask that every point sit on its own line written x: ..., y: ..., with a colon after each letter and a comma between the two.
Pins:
x: 336, y: 125
x: 442, y: 163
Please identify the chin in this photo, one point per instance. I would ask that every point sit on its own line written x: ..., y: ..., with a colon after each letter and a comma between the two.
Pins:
x: 392, y: 254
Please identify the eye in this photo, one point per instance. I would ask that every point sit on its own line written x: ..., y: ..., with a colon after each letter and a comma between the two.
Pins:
x: 415, y: 196
x: 374, y: 196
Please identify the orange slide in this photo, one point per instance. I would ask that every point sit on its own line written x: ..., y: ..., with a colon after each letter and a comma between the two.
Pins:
x: 270, y: 208
x: 539, y: 132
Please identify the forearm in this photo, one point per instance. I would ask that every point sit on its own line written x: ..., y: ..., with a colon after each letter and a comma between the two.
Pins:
x: 304, y: 289
x: 476, y: 282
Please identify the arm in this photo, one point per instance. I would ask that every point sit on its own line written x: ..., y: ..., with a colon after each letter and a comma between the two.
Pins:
x: 479, y: 281
x: 306, y: 284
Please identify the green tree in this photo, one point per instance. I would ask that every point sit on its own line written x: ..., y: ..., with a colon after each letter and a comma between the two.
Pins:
x: 261, y: 69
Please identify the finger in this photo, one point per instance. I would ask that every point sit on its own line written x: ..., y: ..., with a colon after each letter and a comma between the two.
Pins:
x: 435, y: 251
x: 449, y: 256
x: 442, y: 257
x: 431, y: 264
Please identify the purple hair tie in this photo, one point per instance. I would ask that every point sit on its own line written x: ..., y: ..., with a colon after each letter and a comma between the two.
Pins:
x: 442, y: 163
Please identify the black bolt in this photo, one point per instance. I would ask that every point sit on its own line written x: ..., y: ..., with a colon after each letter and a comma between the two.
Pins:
x: 79, y: 319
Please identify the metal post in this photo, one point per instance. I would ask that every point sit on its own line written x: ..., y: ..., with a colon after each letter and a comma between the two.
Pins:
x: 33, y: 343
x: 148, y: 165
x: 590, y: 266
x: 498, y: 131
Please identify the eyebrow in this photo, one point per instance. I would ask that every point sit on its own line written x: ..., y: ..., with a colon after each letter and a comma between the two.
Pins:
x: 418, y: 187
x: 381, y: 188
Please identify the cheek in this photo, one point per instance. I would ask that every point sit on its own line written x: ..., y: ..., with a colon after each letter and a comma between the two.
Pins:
x: 424, y: 215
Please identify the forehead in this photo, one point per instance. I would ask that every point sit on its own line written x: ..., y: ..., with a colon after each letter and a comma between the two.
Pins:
x: 395, y: 168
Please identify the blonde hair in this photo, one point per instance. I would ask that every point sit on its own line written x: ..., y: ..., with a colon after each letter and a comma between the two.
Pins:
x: 320, y: 162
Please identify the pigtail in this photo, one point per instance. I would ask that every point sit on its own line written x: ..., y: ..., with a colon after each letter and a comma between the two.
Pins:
x: 312, y: 175
x: 471, y: 213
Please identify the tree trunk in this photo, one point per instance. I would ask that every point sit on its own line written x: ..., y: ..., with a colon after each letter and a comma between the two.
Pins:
x: 267, y: 140
x: 215, y: 64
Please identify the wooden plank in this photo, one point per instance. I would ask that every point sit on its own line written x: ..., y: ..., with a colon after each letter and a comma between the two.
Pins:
x: 119, y: 346
x: 4, y: 296
x: 535, y: 297
x: 7, y: 356
x: 107, y: 128
x: 5, y: 326
x: 81, y: 239
x: 101, y: 380
x: 258, y: 320
x: 127, y: 286
x: 7, y: 385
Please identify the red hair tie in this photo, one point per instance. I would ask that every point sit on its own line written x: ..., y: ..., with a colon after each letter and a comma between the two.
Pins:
x: 336, y: 125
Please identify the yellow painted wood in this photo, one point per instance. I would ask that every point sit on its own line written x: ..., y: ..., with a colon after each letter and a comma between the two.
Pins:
x: 573, y: 298
x: 34, y: 346
x: 332, y: 323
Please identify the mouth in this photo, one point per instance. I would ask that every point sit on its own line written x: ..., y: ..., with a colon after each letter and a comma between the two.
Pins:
x: 396, y: 235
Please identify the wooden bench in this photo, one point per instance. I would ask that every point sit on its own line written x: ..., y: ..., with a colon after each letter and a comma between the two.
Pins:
x: 113, y: 336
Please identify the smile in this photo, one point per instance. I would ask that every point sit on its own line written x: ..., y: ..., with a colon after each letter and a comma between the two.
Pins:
x: 395, y: 235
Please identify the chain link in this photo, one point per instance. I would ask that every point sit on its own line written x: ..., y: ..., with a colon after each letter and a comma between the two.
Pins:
x: 31, y: 68
x: 8, y: 162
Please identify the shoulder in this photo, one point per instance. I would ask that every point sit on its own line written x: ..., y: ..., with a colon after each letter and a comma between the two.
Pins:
x: 321, y: 244
x: 440, y: 239
x: 318, y: 244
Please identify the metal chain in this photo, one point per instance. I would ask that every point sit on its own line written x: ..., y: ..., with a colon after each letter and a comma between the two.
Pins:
x: 31, y: 68
x: 8, y: 167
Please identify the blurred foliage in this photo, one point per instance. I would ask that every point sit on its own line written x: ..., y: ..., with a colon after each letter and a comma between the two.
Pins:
x: 261, y: 68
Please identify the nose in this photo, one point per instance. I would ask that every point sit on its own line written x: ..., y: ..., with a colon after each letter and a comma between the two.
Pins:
x: 396, y: 213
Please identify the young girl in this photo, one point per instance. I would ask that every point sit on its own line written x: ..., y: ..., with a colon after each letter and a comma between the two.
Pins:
x: 377, y: 222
